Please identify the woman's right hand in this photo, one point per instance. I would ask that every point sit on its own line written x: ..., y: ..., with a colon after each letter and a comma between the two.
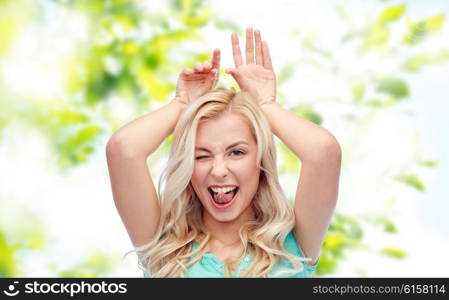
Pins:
x: 197, y: 81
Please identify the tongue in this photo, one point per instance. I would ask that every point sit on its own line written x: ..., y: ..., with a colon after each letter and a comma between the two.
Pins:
x: 223, y: 197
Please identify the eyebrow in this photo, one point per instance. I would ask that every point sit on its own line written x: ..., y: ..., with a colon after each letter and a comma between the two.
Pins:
x: 228, y: 147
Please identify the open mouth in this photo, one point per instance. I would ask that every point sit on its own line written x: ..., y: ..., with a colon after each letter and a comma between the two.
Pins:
x: 222, y: 199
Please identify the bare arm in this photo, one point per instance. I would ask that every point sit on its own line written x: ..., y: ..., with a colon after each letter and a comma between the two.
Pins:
x: 127, y: 151
x: 317, y: 190
x: 133, y: 190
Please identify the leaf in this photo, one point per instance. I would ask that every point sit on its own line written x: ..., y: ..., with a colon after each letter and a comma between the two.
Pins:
x: 374, y: 103
x: 413, y: 181
x: 8, y: 28
x: 308, y: 113
x: 82, y: 154
x: 430, y: 163
x: 414, y: 63
x: 394, y: 252
x: 7, y: 260
x: 129, y: 47
x: 76, y: 148
x: 344, y: 232
x: 393, y: 86
x: 286, y: 73
x: 83, y: 136
x: 192, y: 13
x: 31, y: 236
x: 99, y: 87
x: 358, y: 90
x: 347, y: 225
x: 227, y: 25
x: 434, y: 23
x: 290, y: 164
x: 15, y: 16
x: 162, y: 150
x: 95, y: 265
x: 200, y: 19
x: 65, y: 116
x: 335, y: 241
x: 391, y: 14
x: 415, y: 34
x: 420, y: 30
x: 390, y: 227
x: 186, y: 6
x: 93, y: 7
x: 327, y: 264
x: 158, y: 48
x: 156, y: 89
x: 4, y: 121
x: 377, y: 36
x: 387, y: 224
x: 99, y: 263
x: 177, y: 36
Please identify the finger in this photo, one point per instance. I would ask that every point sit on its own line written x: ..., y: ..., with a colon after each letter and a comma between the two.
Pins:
x: 259, y: 54
x: 249, y: 46
x: 187, y: 71
x: 236, y: 53
x: 199, y: 67
x: 216, y: 59
x: 231, y: 72
x: 207, y: 66
x: 214, y: 77
x: 266, y: 56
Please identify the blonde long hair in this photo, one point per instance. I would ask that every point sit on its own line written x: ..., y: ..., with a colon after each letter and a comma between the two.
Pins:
x: 170, y: 252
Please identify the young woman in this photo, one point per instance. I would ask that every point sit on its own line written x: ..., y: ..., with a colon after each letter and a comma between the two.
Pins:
x: 220, y: 210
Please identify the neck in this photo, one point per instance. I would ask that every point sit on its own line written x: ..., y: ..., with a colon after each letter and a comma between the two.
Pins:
x: 227, y: 233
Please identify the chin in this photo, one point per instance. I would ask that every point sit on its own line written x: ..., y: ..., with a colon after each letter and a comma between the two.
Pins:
x: 224, y: 217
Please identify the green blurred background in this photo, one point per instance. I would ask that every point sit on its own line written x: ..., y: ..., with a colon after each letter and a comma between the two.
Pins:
x: 375, y: 73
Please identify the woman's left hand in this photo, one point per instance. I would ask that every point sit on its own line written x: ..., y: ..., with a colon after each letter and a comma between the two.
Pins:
x: 256, y: 76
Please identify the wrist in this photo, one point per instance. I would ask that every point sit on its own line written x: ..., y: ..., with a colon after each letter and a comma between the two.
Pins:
x: 178, y: 102
x: 267, y: 102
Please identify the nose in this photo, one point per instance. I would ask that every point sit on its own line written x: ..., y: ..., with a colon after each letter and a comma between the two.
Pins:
x: 219, y: 168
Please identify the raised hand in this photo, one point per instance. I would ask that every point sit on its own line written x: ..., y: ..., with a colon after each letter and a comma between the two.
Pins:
x: 256, y: 76
x: 195, y: 82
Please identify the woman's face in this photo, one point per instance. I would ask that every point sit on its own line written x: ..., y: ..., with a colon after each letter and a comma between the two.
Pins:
x: 225, y: 175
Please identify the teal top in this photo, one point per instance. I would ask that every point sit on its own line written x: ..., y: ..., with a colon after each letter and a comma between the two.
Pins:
x: 210, y: 266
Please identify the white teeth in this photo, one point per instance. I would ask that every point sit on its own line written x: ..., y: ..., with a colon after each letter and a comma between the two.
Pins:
x: 223, y: 190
